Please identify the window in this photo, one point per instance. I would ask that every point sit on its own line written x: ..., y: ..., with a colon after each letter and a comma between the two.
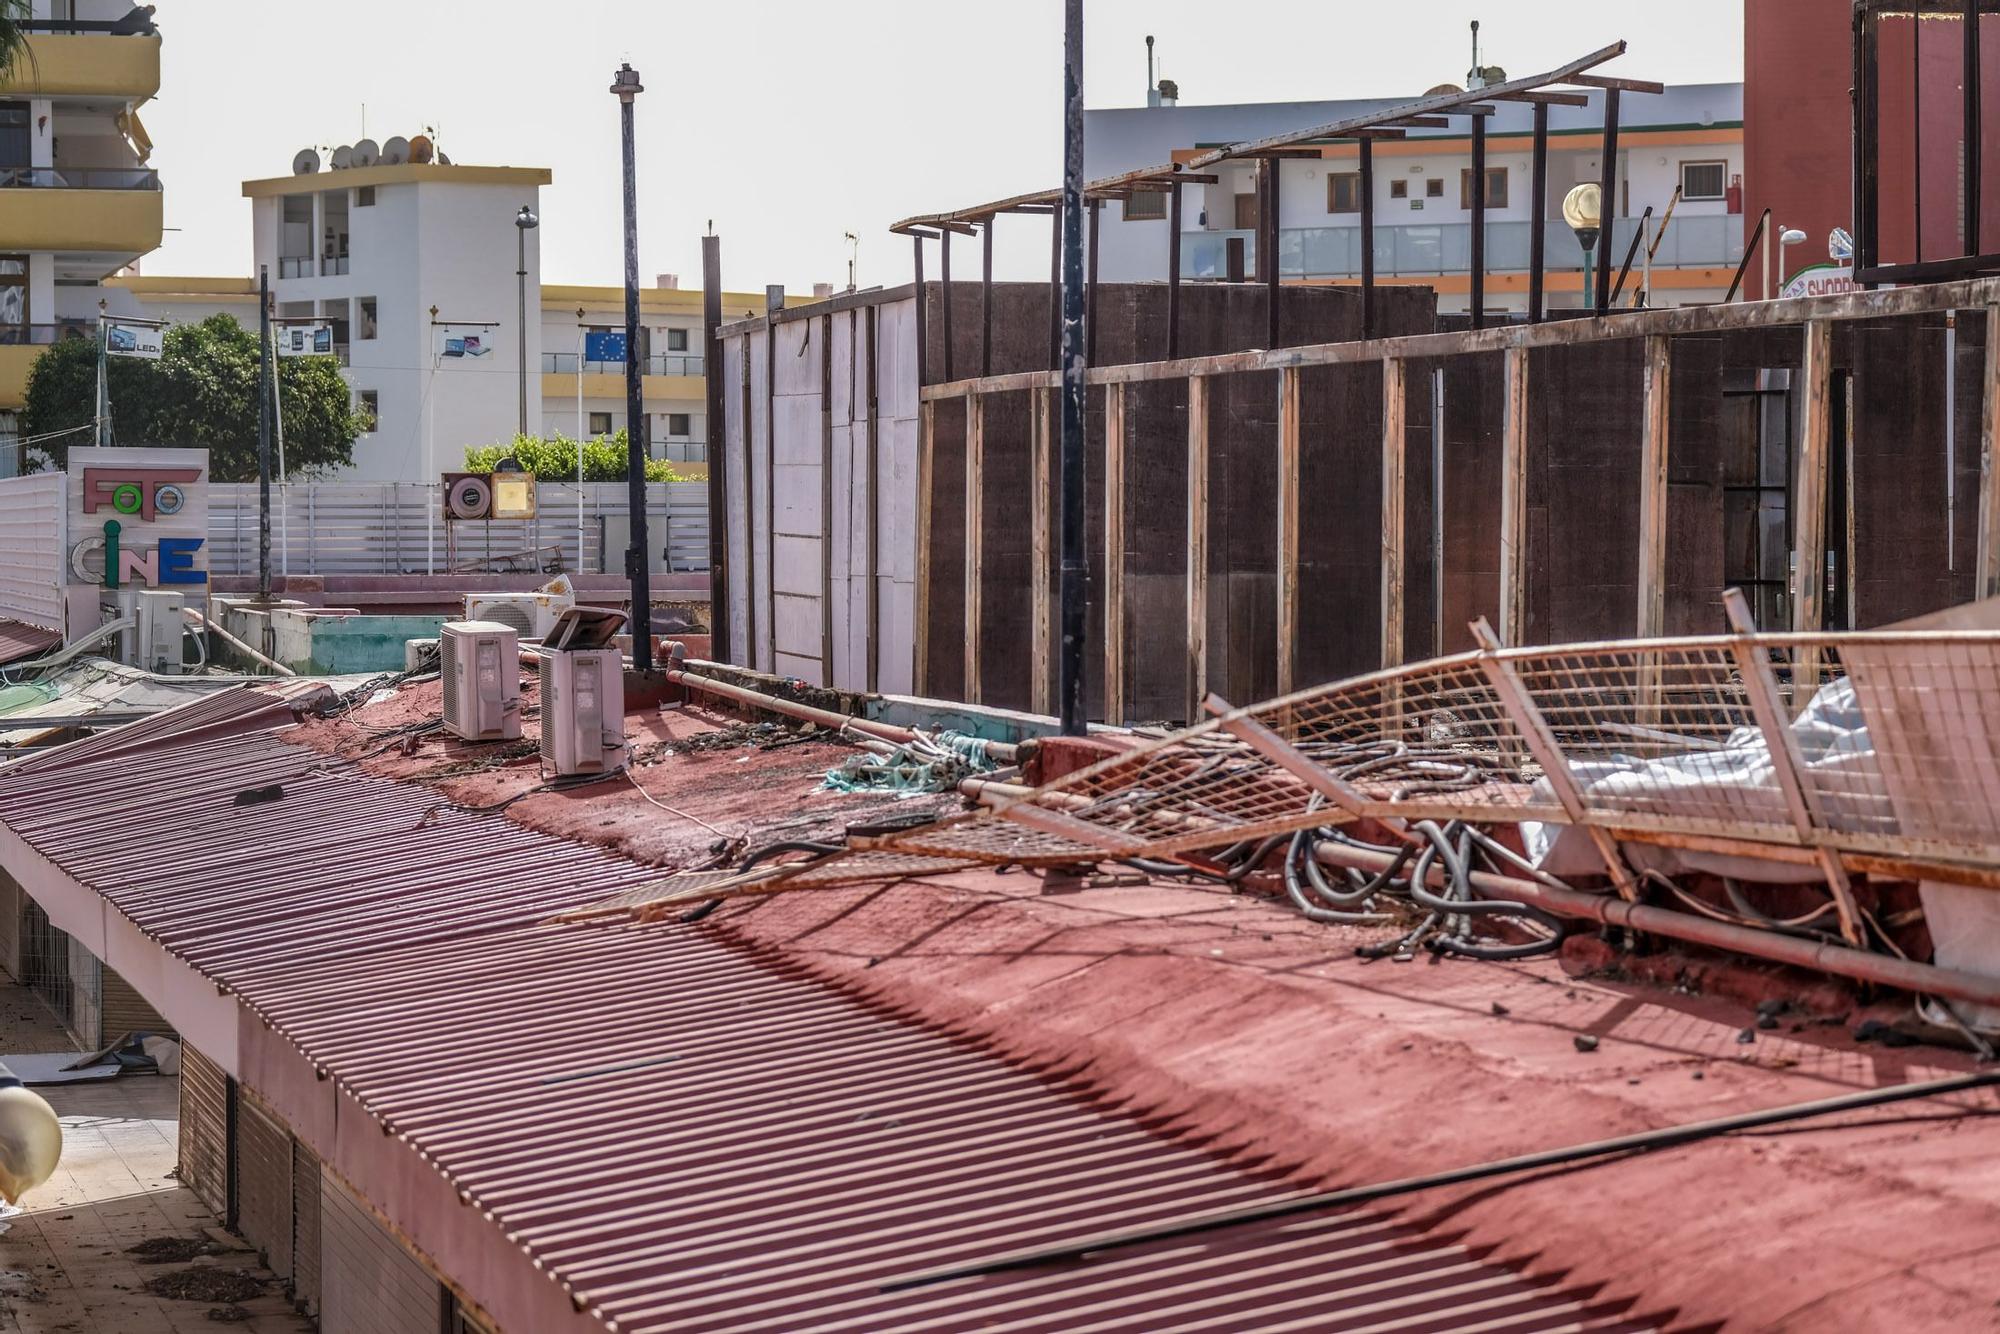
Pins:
x: 369, y: 405
x: 14, y: 137
x: 1399, y: 189
x: 1496, y: 187
x: 365, y: 325
x: 364, y: 197
x: 600, y: 423
x: 1146, y: 206
x: 678, y: 423
x: 1246, y: 212
x: 1704, y: 180
x: 1343, y: 192
x: 1434, y: 188
x: 14, y: 298
x: 677, y: 340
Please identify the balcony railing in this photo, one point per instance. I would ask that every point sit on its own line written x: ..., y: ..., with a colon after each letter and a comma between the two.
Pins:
x: 678, y: 450
x: 79, y: 178
x: 40, y: 335
x: 669, y: 363
x: 1417, y: 250
x: 132, y: 25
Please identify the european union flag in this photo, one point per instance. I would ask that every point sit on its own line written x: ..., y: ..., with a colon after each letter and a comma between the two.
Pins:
x: 604, y: 345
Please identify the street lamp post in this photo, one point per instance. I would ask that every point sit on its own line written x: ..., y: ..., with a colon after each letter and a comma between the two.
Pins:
x: 1787, y: 236
x: 1583, y: 211
x: 524, y: 222
x: 625, y: 86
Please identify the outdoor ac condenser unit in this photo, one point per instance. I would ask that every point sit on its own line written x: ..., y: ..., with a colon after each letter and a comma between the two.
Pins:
x: 583, y: 694
x: 480, y: 665
x: 532, y: 615
x: 153, y: 643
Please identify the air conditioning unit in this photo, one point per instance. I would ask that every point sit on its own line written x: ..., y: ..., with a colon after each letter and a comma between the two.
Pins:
x: 153, y: 643
x: 480, y: 665
x: 532, y: 615
x: 583, y: 694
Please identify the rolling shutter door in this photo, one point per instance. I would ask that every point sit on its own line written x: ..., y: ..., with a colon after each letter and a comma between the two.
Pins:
x: 369, y: 1284
x: 123, y: 1010
x: 305, y: 1229
x: 205, y: 1130
x: 264, y: 1183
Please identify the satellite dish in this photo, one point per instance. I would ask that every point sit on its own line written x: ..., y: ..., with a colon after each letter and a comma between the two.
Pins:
x: 469, y: 496
x: 367, y: 153
x: 343, y: 158
x: 421, y: 149
x: 1443, y: 89
x: 305, y: 163
x: 396, y: 151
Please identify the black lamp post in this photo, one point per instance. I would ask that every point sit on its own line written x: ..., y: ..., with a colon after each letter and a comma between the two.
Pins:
x: 625, y: 86
x: 524, y: 222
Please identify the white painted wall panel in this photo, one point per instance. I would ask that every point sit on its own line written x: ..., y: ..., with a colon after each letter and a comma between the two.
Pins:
x: 32, y: 575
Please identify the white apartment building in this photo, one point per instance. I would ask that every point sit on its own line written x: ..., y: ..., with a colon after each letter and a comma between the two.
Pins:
x: 77, y: 200
x: 1691, y: 137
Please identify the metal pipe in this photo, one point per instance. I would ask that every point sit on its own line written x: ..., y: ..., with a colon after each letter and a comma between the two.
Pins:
x: 1477, y: 260
x: 944, y: 281
x: 1840, y: 960
x: 238, y: 644
x: 1631, y: 253
x: 718, y: 471
x: 1743, y: 265
x: 1609, y: 206
x: 626, y: 86
x: 1070, y: 591
x: 1538, y: 213
x: 263, y: 433
x: 1368, y: 237
x: 986, y: 295
x: 1665, y: 1137
x: 1174, y: 271
x: 1055, y: 287
x: 1000, y: 752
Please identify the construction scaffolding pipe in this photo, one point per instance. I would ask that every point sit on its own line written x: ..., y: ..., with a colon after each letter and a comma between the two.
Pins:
x: 999, y: 752
x: 1840, y: 960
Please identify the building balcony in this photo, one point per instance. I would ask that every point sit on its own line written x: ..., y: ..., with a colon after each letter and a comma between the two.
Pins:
x: 21, y: 346
x: 1410, y: 250
x: 85, y: 60
x: 113, y: 212
x: 685, y: 364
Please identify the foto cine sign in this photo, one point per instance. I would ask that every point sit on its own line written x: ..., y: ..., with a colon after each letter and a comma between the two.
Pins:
x: 133, y: 499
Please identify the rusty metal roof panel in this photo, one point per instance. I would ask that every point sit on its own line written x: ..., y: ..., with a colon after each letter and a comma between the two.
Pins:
x: 245, y: 708
x: 20, y: 640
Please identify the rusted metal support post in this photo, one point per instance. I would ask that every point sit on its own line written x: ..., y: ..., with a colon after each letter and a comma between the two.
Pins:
x: 1394, y: 440
x: 1288, y: 527
x: 1041, y: 545
x: 1069, y: 692
x: 1652, y: 619
x: 986, y: 295
x: 625, y: 86
x: 1610, y: 199
x: 944, y: 282
x: 1477, y: 259
x: 1197, y: 524
x: 1514, y: 498
x: 1114, y: 553
x: 975, y: 537
x: 1986, y: 574
x: 1174, y: 272
x: 1538, y: 213
x: 1368, y: 237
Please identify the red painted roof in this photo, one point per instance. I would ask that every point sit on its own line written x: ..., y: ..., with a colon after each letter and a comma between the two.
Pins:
x: 688, y: 1132
x: 20, y: 640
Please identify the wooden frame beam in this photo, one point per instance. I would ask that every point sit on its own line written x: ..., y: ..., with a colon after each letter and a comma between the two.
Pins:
x: 1653, y: 445
x: 1288, y: 528
x: 1114, y: 554
x: 1514, y: 499
x: 1395, y: 438
x: 975, y: 540
x: 1042, y: 547
x: 1197, y: 537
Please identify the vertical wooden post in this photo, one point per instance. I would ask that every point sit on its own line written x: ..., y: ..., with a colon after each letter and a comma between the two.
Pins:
x: 1197, y: 537
x: 986, y: 295
x: 1267, y: 219
x: 1393, y: 562
x: 1653, y: 490
x: 1041, y: 540
x: 1477, y: 261
x: 1986, y: 574
x: 1538, y: 212
x: 1367, y: 149
x: 975, y: 535
x: 1114, y: 553
x: 1288, y: 527
x: 1094, y: 213
x: 1174, y: 272
x: 1514, y: 500
x: 1609, y: 199
x: 926, y: 454
x: 944, y: 294
x: 1809, y: 498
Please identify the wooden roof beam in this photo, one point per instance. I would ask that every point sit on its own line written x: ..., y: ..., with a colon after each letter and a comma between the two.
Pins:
x: 1549, y: 99
x: 1622, y: 85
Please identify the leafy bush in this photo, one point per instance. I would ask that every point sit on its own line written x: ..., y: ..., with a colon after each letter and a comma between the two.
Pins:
x: 553, y: 459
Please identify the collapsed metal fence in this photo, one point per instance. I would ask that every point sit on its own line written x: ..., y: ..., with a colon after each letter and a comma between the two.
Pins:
x: 398, y: 528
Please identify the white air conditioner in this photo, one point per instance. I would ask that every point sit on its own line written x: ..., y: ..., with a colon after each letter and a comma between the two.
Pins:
x: 479, y: 663
x: 532, y: 615
x: 153, y: 643
x: 583, y: 710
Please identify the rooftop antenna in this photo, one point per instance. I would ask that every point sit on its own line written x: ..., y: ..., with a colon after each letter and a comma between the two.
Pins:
x: 1474, y: 77
x: 1152, y: 88
x: 853, y: 258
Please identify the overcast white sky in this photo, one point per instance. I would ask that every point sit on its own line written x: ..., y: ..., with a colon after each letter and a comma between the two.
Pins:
x: 789, y: 122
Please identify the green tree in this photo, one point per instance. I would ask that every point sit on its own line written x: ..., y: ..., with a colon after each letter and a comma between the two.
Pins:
x: 554, y: 459
x: 201, y: 393
x: 13, y: 37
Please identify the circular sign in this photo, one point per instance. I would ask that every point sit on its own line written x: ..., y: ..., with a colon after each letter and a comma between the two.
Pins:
x: 128, y: 498
x: 168, y: 499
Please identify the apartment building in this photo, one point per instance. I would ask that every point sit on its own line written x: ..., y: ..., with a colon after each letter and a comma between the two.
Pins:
x: 1688, y: 139
x: 77, y: 200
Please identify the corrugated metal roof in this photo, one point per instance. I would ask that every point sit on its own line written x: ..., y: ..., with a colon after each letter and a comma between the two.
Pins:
x: 247, y: 708
x: 20, y: 640
x: 686, y: 1132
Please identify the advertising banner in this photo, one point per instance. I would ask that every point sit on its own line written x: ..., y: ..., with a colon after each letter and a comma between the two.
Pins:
x: 133, y: 340
x: 304, y: 340
x: 138, y: 518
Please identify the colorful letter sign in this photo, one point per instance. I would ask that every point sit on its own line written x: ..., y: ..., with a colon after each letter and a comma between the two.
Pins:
x: 138, y: 517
